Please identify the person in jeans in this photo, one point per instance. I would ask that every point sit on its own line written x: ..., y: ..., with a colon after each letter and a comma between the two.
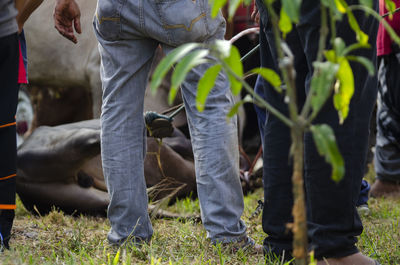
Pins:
x: 332, y: 218
x: 129, y: 32
x: 387, y: 149
x: 9, y: 55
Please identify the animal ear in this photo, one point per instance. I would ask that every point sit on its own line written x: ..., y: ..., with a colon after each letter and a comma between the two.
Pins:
x: 87, y: 142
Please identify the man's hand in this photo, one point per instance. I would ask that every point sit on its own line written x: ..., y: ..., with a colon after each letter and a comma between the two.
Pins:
x: 67, y: 12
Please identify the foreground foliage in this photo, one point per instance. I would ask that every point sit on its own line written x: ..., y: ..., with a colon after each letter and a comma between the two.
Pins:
x: 60, y: 239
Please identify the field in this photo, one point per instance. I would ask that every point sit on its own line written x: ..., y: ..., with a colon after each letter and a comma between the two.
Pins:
x: 60, y: 239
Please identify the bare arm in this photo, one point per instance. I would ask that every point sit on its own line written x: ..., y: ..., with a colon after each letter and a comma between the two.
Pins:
x: 67, y: 19
x: 25, y: 9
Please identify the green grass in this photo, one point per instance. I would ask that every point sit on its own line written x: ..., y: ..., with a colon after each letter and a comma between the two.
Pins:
x: 60, y: 239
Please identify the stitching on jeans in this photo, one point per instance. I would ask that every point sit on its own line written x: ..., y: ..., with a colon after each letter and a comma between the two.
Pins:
x: 115, y: 19
x: 177, y: 26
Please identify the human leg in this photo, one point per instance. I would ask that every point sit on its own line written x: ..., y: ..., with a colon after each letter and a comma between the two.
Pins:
x: 125, y: 64
x: 387, y: 149
x: 8, y: 151
x: 333, y: 220
x: 327, y: 236
x: 214, y: 140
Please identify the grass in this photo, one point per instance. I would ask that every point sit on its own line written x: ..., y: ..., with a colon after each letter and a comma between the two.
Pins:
x: 60, y: 239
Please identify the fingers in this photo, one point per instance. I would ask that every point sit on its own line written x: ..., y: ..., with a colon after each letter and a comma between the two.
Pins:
x: 77, y: 24
x: 67, y: 18
x: 64, y: 28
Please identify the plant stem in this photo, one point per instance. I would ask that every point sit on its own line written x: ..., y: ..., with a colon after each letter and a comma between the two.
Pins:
x: 386, y: 25
x: 300, y: 240
x: 259, y: 100
x: 324, y: 31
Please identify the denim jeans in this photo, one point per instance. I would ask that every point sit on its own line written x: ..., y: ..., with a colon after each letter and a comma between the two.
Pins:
x: 387, y: 149
x: 332, y: 218
x: 129, y: 32
x: 9, y: 54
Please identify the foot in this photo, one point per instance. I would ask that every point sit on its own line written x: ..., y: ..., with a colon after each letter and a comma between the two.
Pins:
x: 363, y: 210
x: 385, y: 189
x: 246, y: 244
x: 355, y: 259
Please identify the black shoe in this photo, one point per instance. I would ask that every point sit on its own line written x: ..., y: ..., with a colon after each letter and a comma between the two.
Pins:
x: 158, y: 126
x: 6, y: 221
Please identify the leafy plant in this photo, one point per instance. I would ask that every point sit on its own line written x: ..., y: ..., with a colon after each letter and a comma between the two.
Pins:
x: 333, y: 77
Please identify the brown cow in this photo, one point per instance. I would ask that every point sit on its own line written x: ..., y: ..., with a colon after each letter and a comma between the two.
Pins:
x: 60, y: 166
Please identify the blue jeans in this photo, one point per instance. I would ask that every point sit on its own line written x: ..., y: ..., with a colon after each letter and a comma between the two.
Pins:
x: 332, y: 218
x: 129, y: 32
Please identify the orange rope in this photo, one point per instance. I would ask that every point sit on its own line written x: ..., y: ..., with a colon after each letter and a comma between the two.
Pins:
x: 8, y: 124
x: 8, y: 177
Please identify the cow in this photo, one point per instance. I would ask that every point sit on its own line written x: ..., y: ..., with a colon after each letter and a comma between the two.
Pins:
x: 60, y: 167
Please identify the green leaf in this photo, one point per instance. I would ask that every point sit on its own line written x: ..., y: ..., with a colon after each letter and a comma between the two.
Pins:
x: 183, y: 67
x: 292, y: 9
x: 330, y: 55
x: 233, y: 5
x: 360, y: 35
x: 235, y: 108
x: 206, y: 83
x: 285, y: 24
x: 364, y: 61
x: 216, y: 5
x: 339, y: 46
x: 390, y: 6
x: 271, y: 76
x: 222, y: 48
x: 233, y: 61
x: 167, y: 62
x: 367, y: 3
x: 341, y: 6
x: 116, y: 258
x: 325, y: 141
x: 321, y: 83
x: 247, y: 2
x: 354, y: 47
x: 331, y: 4
x: 344, y: 89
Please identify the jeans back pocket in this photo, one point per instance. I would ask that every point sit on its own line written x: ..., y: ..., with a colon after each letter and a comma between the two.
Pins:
x: 108, y: 18
x: 184, y: 20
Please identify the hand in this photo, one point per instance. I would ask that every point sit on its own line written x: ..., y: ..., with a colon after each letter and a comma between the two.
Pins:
x: 67, y: 12
x: 255, y: 15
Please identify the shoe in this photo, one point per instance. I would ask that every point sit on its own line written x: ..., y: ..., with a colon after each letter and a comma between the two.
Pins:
x: 382, y: 188
x: 6, y: 221
x: 354, y: 259
x: 247, y: 244
x: 158, y: 126
x: 363, y: 210
x: 130, y: 242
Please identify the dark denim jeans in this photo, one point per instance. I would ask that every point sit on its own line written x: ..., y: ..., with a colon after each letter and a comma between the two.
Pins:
x: 333, y: 221
x: 8, y: 146
x: 387, y: 149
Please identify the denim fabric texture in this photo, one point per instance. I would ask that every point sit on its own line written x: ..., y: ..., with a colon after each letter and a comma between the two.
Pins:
x: 387, y: 149
x: 9, y: 54
x: 333, y: 221
x: 129, y: 32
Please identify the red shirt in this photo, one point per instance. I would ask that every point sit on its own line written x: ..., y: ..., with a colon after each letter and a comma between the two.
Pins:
x: 383, y: 40
x: 21, y: 68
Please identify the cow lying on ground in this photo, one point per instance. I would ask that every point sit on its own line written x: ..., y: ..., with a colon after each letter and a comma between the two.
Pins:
x: 60, y: 166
